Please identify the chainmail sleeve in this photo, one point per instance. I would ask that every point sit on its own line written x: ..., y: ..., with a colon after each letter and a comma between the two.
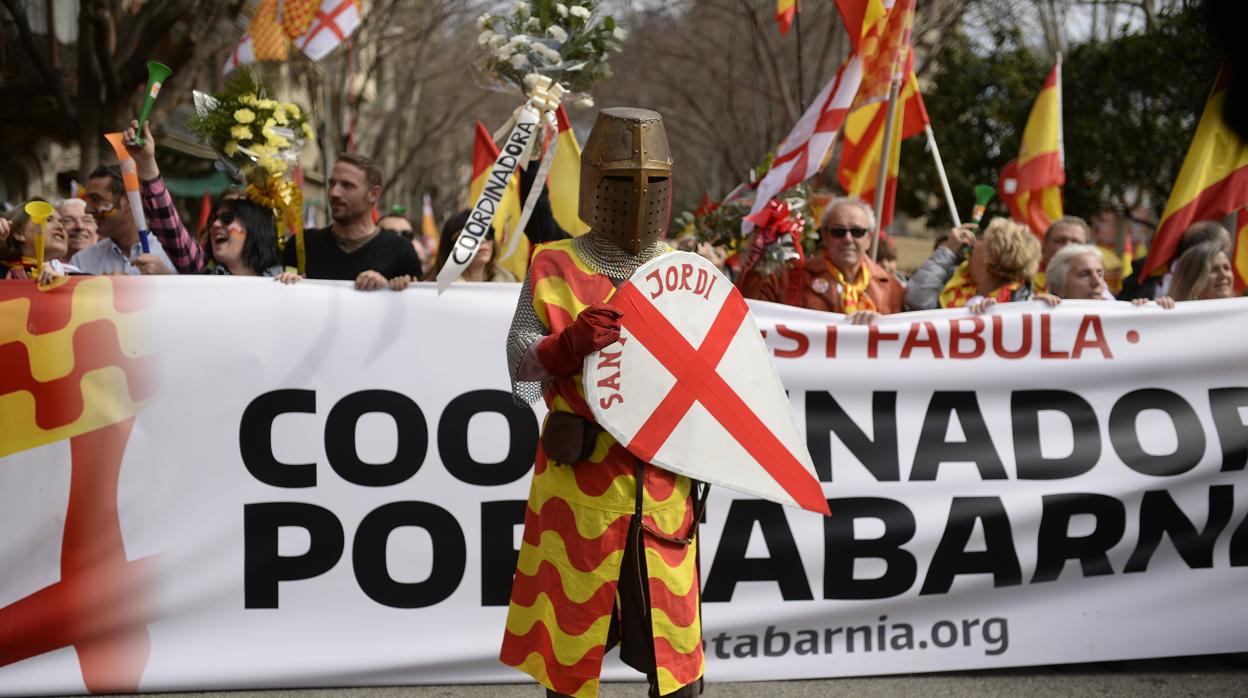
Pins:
x: 526, y: 328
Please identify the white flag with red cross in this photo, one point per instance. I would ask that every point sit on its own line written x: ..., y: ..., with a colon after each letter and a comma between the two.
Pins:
x: 334, y: 22
x: 243, y: 54
x: 690, y: 386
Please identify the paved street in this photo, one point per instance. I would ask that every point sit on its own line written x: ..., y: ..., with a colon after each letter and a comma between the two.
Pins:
x: 1215, y: 675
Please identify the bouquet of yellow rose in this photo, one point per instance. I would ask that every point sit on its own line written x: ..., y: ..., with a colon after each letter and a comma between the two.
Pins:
x: 249, y: 128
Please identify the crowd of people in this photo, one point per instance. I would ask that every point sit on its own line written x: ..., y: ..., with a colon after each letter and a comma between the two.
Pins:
x: 972, y: 268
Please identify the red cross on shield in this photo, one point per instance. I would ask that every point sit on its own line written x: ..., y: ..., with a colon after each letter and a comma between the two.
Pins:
x: 690, y: 386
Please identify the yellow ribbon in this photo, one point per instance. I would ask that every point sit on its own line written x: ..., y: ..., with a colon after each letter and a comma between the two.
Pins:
x: 286, y: 200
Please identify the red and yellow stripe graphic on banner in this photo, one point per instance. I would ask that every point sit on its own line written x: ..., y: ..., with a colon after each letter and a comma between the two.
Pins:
x: 484, y: 152
x: 859, y: 169
x: 1031, y: 185
x: 1240, y: 261
x: 576, y: 527
x: 564, y: 182
x: 1212, y: 184
x: 786, y: 10
x: 76, y: 365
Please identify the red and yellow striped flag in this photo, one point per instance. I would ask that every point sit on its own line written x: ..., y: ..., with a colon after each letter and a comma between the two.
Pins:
x: 858, y: 172
x: 786, y: 10
x: 1212, y: 184
x: 885, y: 49
x: 1031, y: 185
x: 484, y: 152
x: 564, y: 182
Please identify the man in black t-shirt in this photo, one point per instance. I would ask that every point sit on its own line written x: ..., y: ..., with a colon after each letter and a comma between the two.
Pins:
x: 353, y: 248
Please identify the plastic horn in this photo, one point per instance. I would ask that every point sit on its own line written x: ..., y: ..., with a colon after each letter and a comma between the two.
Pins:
x: 983, y: 194
x: 157, y: 73
x: 39, y: 212
x: 130, y: 175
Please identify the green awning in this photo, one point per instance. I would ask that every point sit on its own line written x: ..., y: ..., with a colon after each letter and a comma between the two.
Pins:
x: 196, y: 187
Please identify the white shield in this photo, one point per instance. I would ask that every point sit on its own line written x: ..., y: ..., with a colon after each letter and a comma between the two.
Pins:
x: 690, y: 386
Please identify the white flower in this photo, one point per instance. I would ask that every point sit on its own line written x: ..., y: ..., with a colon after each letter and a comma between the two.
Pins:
x: 504, y: 52
x: 485, y: 37
x: 620, y: 34
x: 497, y: 40
x: 584, y: 102
x: 484, y: 20
x: 532, y: 24
x: 521, y: 9
x: 579, y: 11
x: 547, y: 53
x: 519, y: 61
x: 557, y: 33
x: 519, y: 40
x: 562, y: 9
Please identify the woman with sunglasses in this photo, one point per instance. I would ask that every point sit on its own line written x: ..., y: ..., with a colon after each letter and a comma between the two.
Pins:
x: 840, y: 276
x: 998, y: 269
x: 243, y: 241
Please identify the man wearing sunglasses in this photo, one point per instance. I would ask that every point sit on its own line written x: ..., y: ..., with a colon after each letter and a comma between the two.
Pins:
x: 839, y: 276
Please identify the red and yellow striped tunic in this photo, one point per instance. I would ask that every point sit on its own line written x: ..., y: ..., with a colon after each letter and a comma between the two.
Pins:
x: 576, y: 528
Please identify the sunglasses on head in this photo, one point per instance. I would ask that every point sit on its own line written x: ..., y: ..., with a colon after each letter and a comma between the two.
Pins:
x: 840, y: 232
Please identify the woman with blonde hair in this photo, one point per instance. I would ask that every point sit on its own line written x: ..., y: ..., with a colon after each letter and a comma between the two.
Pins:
x: 1203, y: 272
x: 997, y: 269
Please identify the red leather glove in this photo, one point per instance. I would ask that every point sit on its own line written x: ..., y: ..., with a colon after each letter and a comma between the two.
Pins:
x: 563, y: 354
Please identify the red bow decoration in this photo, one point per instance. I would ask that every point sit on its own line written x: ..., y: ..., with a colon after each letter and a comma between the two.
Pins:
x: 774, y: 222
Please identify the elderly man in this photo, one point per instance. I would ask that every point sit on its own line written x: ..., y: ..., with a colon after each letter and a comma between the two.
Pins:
x: 1068, y: 230
x: 79, y: 225
x: 839, y: 277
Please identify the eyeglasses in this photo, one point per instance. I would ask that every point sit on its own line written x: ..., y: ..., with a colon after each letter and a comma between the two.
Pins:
x: 840, y: 232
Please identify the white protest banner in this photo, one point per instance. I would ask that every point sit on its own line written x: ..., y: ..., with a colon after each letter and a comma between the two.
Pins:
x: 224, y: 483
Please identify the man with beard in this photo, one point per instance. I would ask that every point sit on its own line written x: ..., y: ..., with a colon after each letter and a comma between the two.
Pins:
x: 353, y: 248
x: 610, y: 541
x: 79, y: 225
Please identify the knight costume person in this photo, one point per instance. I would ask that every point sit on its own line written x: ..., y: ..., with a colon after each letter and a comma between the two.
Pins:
x: 609, y: 554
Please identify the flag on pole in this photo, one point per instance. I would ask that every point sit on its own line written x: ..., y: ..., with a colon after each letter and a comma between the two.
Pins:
x: 484, y: 153
x: 243, y: 54
x: 860, y: 16
x: 885, y: 51
x: 863, y: 139
x: 428, y: 227
x: 564, y: 182
x: 802, y: 153
x: 1212, y: 184
x: 297, y: 16
x: 786, y: 10
x: 334, y: 22
x: 1031, y: 185
x: 268, y: 41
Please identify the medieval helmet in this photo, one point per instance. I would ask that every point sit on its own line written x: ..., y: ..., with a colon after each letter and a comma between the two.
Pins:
x: 626, y: 177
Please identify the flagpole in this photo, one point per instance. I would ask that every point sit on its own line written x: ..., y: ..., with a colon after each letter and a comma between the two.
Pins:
x: 882, y: 178
x: 801, y: 86
x: 944, y: 179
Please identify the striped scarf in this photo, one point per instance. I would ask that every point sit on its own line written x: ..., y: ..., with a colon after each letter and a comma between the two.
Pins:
x: 854, y: 296
x: 961, y: 289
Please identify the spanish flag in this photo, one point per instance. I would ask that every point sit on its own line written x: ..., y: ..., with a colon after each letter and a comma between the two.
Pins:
x: 858, y: 172
x: 511, y: 247
x: 786, y: 10
x: 564, y: 182
x: 1212, y: 184
x: 1032, y: 184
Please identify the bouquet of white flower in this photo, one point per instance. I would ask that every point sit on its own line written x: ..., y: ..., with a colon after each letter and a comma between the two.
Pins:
x: 566, y: 42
